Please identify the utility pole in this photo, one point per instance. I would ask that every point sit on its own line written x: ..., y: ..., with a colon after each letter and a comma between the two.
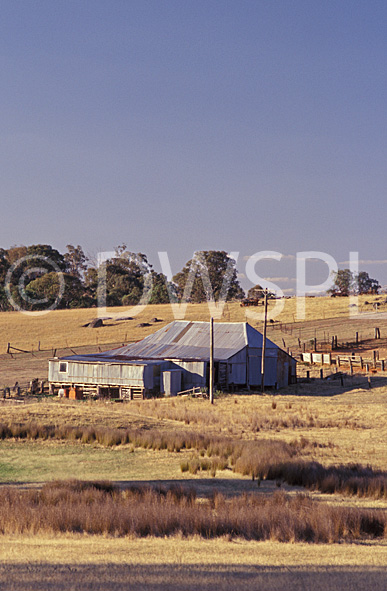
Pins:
x: 264, y: 346
x: 211, y: 384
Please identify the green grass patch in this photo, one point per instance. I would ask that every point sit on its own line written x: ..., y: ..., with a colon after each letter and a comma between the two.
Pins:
x: 36, y: 461
x: 8, y: 472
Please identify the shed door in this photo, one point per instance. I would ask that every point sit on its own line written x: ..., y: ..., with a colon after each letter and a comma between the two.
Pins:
x: 222, y: 375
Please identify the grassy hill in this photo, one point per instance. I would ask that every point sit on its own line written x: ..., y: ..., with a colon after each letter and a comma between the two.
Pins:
x: 64, y: 328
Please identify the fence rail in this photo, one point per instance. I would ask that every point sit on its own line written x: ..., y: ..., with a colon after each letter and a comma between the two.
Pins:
x: 351, y: 361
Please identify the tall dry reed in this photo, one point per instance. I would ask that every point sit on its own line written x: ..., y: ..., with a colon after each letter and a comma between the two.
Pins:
x: 103, y: 509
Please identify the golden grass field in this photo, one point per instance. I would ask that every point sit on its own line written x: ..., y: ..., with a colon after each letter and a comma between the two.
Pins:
x: 339, y: 425
x: 348, y: 425
x: 84, y: 562
x: 72, y: 549
x: 64, y: 328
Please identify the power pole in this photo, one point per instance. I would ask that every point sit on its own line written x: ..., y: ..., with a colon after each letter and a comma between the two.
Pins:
x: 264, y: 346
x: 211, y: 385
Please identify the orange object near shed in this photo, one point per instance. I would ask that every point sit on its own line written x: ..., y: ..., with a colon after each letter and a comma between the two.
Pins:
x: 72, y: 394
x: 75, y: 393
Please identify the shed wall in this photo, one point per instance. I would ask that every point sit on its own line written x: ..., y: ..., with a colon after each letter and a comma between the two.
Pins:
x: 237, y: 370
x: 171, y: 382
x: 102, y: 374
x: 194, y: 372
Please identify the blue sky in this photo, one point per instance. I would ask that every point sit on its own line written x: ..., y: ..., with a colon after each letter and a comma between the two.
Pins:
x: 193, y: 125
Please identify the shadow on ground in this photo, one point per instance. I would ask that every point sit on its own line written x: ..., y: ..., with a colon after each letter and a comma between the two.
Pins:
x: 331, y: 385
x: 69, y: 577
x: 204, y: 487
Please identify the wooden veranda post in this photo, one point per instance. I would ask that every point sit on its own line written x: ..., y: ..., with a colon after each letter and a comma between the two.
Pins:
x: 264, y: 346
x: 211, y: 385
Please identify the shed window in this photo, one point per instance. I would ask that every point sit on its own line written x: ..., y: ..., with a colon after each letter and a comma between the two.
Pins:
x: 63, y: 367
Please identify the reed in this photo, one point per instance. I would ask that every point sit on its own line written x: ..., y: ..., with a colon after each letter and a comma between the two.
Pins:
x: 101, y: 508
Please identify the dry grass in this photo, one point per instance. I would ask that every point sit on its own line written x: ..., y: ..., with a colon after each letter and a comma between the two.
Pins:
x: 97, y: 550
x: 261, y: 459
x: 101, y: 508
x: 63, y: 331
x: 171, y: 564
x: 342, y: 427
x: 61, y: 328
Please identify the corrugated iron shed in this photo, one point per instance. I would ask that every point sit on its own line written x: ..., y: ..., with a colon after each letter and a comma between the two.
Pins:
x: 182, y: 346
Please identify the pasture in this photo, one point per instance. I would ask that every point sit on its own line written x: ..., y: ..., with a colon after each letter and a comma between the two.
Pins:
x: 65, y: 328
x: 151, y: 442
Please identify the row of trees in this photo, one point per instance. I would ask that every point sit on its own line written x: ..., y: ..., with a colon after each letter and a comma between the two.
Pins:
x: 40, y: 277
x: 345, y: 283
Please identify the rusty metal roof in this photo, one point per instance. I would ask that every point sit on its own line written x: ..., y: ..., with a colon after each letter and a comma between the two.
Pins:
x: 183, y: 339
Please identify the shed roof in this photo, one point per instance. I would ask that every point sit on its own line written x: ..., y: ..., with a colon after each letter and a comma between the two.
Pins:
x: 184, y: 339
x: 106, y: 358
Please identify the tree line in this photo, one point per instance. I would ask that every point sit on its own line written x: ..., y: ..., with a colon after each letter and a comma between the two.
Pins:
x: 39, y: 277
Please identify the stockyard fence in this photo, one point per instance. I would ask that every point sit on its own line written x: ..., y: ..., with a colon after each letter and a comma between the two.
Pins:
x: 58, y: 351
x: 329, y: 335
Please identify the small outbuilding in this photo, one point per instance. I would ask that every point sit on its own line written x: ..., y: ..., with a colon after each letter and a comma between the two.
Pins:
x: 174, y: 359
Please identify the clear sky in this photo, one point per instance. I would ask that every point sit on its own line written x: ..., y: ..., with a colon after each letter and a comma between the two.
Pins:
x: 183, y: 125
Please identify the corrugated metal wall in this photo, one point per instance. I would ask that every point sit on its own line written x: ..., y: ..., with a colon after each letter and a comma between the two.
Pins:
x: 171, y: 382
x: 286, y: 368
x: 102, y: 374
x: 194, y: 373
x: 255, y: 365
x: 237, y: 370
